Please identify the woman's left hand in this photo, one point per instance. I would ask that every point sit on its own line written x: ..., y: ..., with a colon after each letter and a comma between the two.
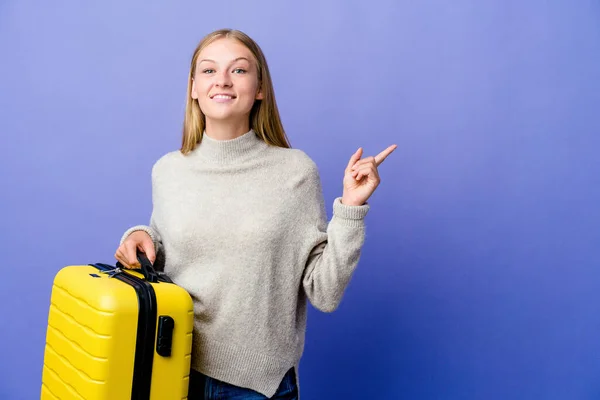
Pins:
x: 361, y: 177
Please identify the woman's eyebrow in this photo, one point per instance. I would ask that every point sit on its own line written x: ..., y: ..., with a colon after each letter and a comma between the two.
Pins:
x: 237, y: 59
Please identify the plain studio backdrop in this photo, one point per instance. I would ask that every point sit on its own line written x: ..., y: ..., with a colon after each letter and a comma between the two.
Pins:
x: 480, y: 275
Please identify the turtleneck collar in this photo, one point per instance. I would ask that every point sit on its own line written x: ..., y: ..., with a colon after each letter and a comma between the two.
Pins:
x: 230, y: 151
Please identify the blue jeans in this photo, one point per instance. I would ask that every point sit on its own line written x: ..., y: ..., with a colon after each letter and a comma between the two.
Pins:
x: 203, y: 387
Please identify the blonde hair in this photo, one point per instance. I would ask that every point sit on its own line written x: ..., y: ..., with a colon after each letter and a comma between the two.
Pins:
x: 264, y: 116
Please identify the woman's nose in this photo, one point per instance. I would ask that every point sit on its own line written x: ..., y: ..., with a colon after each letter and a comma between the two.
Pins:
x: 223, y: 79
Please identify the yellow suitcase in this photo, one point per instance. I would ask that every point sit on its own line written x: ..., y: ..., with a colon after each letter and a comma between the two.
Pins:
x: 117, y: 334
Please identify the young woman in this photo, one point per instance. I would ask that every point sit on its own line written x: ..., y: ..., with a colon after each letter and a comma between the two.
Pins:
x: 239, y: 221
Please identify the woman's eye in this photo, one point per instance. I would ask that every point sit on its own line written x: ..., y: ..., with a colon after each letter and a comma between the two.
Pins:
x: 239, y: 71
x: 208, y: 71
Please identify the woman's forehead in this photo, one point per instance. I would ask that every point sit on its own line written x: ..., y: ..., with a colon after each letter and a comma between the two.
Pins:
x: 225, y: 50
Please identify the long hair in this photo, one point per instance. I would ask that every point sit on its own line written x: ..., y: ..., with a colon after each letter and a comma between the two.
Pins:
x: 264, y: 116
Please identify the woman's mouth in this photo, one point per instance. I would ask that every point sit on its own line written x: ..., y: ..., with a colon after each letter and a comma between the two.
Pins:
x: 223, y: 98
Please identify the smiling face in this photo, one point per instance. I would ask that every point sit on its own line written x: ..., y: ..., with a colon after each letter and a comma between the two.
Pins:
x: 226, y: 83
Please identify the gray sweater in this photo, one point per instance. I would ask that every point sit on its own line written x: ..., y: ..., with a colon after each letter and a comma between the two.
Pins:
x: 241, y: 225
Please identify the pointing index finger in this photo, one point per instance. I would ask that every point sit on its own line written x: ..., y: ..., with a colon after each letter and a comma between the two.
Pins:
x: 379, y: 158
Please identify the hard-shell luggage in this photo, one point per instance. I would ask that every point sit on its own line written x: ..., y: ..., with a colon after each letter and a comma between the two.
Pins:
x: 117, y: 334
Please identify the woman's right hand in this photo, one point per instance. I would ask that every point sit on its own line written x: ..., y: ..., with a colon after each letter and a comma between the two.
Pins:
x: 127, y: 251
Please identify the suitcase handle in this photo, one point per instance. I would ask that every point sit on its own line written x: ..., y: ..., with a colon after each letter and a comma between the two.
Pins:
x: 147, y: 269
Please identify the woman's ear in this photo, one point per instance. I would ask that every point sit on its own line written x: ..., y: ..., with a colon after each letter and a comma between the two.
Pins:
x: 194, y: 94
x: 259, y: 95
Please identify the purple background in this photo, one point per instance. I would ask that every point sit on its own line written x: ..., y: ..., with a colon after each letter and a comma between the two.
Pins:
x: 480, y: 277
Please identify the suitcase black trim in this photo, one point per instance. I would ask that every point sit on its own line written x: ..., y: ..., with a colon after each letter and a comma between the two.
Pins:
x: 146, y: 332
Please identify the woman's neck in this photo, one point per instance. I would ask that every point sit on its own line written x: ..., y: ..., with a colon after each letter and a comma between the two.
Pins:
x: 226, y: 130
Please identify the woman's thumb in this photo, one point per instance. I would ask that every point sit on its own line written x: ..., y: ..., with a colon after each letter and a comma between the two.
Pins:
x: 148, y: 249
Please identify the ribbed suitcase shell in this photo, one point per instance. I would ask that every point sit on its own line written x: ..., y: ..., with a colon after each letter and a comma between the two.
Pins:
x: 92, y: 333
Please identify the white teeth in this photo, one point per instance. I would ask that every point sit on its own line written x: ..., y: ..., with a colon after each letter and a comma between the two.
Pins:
x: 222, y: 96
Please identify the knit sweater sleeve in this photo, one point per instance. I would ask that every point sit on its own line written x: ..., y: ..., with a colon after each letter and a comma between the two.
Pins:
x: 335, y: 247
x: 151, y: 229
